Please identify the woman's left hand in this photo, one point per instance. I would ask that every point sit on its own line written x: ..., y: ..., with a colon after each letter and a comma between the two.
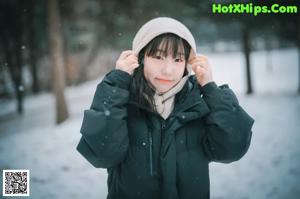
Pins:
x: 201, y: 69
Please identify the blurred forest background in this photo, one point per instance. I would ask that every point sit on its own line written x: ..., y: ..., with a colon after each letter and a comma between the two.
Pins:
x: 48, y: 45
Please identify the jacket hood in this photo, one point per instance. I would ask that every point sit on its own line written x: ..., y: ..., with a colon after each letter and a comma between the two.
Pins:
x: 158, y: 26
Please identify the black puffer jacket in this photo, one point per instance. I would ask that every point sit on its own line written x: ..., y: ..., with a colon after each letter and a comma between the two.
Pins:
x: 148, y: 157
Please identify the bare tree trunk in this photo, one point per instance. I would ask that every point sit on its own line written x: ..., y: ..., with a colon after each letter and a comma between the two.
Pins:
x: 18, y: 47
x: 247, y: 50
x: 299, y: 67
x: 12, y: 56
x: 269, y: 64
x: 18, y: 74
x: 31, y: 37
x: 56, y: 53
x: 298, y: 46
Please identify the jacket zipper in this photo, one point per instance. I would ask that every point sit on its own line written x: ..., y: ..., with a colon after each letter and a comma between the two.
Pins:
x: 150, y: 153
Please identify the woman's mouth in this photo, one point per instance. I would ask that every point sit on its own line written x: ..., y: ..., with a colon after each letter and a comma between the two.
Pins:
x: 164, y: 81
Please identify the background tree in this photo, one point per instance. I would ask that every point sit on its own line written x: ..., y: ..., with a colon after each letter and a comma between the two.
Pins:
x: 12, y: 30
x: 56, y: 53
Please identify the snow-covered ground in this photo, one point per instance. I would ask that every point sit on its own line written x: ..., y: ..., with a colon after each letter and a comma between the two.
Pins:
x: 270, y: 169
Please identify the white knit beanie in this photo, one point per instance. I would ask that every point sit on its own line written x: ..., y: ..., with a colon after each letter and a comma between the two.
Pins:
x: 158, y: 26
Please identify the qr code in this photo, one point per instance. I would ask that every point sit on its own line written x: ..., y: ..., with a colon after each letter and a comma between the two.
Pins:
x: 15, y: 182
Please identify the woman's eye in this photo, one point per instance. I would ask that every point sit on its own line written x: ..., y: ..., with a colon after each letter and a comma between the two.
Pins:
x: 178, y: 60
x: 157, y: 57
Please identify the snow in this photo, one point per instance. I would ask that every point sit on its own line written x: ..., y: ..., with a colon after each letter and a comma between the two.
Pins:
x: 270, y: 169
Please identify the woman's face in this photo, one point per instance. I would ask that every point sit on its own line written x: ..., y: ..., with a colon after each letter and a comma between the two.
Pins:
x: 163, y: 71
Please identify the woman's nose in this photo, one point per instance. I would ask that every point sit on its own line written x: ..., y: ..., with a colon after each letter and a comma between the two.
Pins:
x: 167, y: 67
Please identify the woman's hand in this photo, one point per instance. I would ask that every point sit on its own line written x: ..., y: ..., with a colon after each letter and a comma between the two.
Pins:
x: 202, y: 69
x: 127, y: 62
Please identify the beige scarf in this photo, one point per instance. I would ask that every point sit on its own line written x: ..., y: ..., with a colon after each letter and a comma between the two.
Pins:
x: 165, y: 102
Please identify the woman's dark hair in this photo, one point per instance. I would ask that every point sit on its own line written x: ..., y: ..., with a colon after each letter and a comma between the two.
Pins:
x: 170, y: 43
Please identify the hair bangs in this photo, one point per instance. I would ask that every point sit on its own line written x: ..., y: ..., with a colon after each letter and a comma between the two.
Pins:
x: 168, y: 44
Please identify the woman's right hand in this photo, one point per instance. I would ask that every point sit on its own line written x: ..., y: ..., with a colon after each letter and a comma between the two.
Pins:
x: 127, y: 62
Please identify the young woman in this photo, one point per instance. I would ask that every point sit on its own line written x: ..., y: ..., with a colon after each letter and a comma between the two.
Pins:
x: 155, y: 126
